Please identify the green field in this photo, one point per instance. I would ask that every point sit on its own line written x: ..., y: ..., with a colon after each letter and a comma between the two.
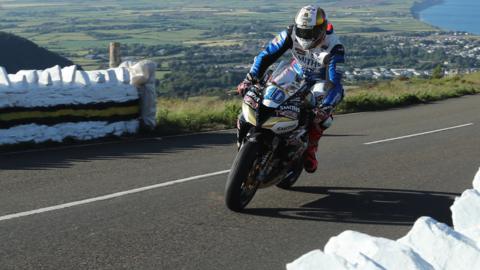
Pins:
x: 74, y: 28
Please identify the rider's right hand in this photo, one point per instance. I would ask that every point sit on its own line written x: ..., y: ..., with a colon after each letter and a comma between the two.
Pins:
x: 243, y: 87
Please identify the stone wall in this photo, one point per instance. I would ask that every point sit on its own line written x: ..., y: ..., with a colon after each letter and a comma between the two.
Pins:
x: 56, y: 104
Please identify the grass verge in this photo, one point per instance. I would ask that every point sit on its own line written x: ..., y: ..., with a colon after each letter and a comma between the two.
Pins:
x: 196, y: 114
x: 209, y: 113
x: 396, y: 93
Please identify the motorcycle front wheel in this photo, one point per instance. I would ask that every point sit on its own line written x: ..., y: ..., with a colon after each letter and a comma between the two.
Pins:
x: 241, y: 185
x: 292, y: 176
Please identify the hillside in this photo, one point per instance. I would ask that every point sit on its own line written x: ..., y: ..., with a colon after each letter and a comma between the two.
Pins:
x: 18, y: 53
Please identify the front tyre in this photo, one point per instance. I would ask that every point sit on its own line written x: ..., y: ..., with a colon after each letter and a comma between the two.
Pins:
x: 292, y: 176
x: 241, y: 185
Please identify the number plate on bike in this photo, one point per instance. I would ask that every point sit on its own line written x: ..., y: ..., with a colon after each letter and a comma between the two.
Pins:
x: 274, y: 96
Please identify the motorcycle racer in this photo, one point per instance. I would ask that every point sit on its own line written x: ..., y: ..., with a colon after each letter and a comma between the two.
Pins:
x: 317, y: 49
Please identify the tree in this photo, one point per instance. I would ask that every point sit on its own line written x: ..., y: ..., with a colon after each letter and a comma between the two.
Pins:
x: 437, y: 72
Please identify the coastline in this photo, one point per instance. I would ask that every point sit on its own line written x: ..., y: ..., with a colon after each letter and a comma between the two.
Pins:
x: 422, y: 5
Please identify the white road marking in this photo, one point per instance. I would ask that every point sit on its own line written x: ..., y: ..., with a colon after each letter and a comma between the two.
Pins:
x: 108, y: 196
x: 346, y: 114
x: 418, y: 134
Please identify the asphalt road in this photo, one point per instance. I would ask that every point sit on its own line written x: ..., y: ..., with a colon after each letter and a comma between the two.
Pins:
x: 379, y: 189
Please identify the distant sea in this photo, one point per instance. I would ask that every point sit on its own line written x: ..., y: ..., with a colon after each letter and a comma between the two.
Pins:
x: 458, y: 15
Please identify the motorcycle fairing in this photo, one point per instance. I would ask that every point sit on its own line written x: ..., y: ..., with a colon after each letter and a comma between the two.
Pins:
x: 280, y: 125
x: 277, y: 124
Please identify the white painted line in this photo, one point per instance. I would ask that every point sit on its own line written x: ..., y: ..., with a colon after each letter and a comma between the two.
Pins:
x: 109, y: 196
x: 418, y: 134
x: 346, y: 114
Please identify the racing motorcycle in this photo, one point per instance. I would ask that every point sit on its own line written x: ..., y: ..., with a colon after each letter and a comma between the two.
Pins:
x: 272, y: 134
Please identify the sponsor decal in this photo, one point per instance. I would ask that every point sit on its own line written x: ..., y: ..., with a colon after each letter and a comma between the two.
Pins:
x: 286, y: 128
x: 309, y: 62
x: 288, y: 114
x: 250, y: 102
x: 289, y: 111
x: 277, y: 40
x: 290, y: 108
x: 253, y: 96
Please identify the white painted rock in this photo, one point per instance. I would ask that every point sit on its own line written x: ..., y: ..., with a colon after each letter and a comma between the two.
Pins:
x: 441, y: 246
x: 466, y: 214
x: 476, y: 181
x: 68, y: 74
x: 356, y: 247
x: 4, y: 81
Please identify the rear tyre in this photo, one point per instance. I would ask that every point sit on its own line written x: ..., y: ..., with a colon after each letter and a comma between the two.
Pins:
x: 240, y: 188
x: 292, y: 175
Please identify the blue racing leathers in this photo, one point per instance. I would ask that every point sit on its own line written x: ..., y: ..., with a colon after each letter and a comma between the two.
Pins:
x: 318, y: 62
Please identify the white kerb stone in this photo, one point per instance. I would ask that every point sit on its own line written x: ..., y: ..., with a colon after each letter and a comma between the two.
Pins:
x: 31, y: 76
x: 18, y: 81
x: 82, y: 78
x: 68, y: 74
x: 123, y: 75
x: 96, y: 76
x: 4, y: 81
x: 45, y: 79
x: 56, y: 74
x: 111, y: 76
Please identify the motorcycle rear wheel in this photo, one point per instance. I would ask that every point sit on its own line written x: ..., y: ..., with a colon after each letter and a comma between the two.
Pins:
x: 240, y: 187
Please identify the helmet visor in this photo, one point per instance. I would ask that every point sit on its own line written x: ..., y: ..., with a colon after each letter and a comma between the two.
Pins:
x: 305, y: 33
x: 313, y: 33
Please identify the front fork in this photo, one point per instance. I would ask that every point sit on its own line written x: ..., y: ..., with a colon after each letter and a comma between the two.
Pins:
x: 242, y: 130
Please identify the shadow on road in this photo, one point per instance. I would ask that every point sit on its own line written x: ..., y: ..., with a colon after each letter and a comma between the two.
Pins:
x: 131, y: 149
x: 366, y: 206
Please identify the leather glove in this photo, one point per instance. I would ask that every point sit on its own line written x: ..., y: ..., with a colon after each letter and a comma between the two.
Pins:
x: 322, y: 113
x: 243, y: 87
x: 247, y: 83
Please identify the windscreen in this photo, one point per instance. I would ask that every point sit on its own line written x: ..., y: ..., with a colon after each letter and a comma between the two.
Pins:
x: 287, y: 76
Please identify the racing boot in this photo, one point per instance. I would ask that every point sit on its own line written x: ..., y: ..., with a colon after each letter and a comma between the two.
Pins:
x: 310, y: 160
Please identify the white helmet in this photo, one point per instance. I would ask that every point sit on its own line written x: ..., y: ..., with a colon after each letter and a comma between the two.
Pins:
x: 310, y: 26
